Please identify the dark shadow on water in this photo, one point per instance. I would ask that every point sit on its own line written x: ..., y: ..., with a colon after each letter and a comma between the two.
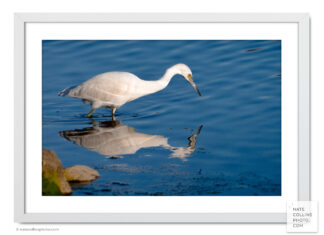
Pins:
x: 114, y: 139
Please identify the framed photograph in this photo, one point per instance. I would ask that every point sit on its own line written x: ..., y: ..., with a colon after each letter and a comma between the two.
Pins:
x: 161, y: 118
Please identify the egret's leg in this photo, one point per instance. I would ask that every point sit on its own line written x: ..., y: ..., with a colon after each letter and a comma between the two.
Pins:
x: 91, y: 112
x: 113, y: 114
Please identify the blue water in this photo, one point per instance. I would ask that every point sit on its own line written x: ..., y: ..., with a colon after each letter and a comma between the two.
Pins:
x: 235, y: 126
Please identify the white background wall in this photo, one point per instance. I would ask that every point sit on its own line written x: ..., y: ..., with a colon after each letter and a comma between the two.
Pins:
x: 7, y: 9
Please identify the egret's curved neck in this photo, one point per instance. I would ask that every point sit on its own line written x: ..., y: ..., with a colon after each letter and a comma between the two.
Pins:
x: 157, y: 85
x: 164, y: 81
x: 149, y: 87
x: 169, y: 73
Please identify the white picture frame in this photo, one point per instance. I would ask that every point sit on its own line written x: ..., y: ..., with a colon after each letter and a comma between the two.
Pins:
x: 21, y: 19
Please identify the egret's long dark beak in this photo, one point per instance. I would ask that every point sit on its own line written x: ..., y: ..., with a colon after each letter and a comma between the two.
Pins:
x: 194, y: 86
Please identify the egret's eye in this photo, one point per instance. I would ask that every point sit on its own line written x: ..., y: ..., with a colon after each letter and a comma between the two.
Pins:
x: 189, y: 76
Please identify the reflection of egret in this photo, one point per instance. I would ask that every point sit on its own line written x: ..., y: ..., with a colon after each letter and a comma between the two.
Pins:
x: 183, y: 152
x: 113, y: 139
x: 113, y: 89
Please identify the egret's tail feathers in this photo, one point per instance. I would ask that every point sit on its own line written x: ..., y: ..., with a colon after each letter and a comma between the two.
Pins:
x: 66, y: 91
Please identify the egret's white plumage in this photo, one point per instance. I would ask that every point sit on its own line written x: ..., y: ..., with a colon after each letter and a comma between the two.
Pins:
x: 113, y: 89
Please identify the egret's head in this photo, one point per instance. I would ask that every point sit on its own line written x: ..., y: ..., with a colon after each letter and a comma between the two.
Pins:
x: 185, y: 71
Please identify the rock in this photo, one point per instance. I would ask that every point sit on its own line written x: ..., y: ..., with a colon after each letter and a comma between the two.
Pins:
x: 80, y: 173
x: 53, y: 180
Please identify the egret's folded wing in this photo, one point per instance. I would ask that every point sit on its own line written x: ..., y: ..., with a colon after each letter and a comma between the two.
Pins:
x: 114, y: 87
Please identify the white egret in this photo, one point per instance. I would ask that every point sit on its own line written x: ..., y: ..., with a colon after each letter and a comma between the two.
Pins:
x: 113, y: 89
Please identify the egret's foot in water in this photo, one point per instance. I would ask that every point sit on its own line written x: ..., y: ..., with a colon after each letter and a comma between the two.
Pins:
x: 113, y: 114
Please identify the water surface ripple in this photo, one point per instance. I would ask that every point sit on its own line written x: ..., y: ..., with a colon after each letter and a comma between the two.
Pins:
x: 227, y: 142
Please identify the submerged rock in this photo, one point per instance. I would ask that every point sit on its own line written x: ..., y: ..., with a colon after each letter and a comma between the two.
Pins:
x: 80, y: 173
x: 53, y: 180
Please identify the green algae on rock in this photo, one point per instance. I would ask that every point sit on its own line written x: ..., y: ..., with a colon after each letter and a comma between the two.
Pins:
x: 53, y: 180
